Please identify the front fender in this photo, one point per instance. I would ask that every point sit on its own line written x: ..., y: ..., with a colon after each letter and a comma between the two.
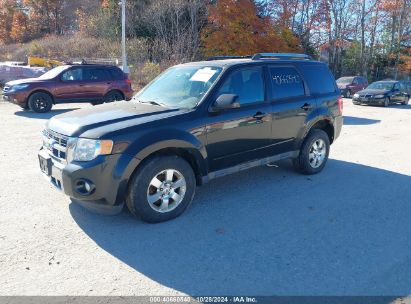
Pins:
x: 152, y: 142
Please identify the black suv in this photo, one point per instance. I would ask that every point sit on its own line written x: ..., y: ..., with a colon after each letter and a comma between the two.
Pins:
x: 195, y: 122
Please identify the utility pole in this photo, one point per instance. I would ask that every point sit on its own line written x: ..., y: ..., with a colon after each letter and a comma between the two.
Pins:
x: 123, y: 37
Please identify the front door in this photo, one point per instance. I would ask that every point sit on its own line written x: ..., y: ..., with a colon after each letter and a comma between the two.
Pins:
x: 239, y: 135
x: 71, y: 86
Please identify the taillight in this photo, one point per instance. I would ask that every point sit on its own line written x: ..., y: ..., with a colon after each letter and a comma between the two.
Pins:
x: 128, y: 81
x: 340, y: 105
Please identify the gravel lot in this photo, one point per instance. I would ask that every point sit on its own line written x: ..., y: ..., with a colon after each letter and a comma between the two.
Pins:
x: 268, y: 231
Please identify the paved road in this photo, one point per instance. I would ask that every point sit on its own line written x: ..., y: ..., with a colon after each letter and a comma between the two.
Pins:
x: 268, y: 231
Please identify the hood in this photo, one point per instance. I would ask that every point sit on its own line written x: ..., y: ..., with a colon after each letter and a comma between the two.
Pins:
x: 23, y: 81
x: 96, y: 121
x: 372, y: 92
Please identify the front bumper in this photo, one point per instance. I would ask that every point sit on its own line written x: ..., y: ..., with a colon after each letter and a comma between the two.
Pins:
x: 368, y: 100
x: 18, y: 98
x: 71, y: 178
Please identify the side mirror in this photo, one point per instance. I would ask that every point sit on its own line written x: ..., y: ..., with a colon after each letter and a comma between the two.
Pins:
x: 225, y: 102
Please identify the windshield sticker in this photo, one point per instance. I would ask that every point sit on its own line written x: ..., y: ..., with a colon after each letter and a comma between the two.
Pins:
x: 203, y: 75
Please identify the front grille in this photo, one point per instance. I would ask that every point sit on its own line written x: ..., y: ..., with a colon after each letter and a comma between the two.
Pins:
x: 55, y: 143
x: 366, y: 96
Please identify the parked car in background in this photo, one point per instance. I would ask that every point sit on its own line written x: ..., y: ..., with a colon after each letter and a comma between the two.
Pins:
x: 350, y: 85
x: 384, y: 92
x: 196, y: 122
x: 69, y: 83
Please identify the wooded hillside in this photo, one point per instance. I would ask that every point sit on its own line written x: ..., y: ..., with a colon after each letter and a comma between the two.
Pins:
x: 368, y: 37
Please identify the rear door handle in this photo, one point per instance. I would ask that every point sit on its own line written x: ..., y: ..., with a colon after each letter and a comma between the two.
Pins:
x: 259, y: 115
x: 307, y: 107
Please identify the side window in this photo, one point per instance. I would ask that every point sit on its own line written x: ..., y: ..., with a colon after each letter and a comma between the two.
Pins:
x: 73, y: 75
x: 396, y: 86
x: 96, y: 75
x: 286, y: 82
x: 246, y: 83
x: 356, y: 81
x: 319, y: 78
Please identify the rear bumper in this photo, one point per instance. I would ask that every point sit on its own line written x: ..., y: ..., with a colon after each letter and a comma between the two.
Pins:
x: 103, y: 190
x: 338, y: 123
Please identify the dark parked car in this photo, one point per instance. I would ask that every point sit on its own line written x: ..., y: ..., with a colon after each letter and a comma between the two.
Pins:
x: 351, y: 84
x: 195, y: 122
x: 70, y: 83
x: 383, y: 93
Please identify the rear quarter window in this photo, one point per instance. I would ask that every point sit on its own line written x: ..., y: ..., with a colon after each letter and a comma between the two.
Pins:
x: 319, y: 78
x: 116, y: 74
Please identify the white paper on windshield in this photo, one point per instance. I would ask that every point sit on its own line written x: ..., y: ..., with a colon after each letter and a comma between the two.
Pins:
x: 203, y: 75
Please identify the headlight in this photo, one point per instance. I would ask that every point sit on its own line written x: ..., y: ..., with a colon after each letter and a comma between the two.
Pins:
x: 83, y: 149
x: 356, y: 95
x: 379, y: 96
x: 19, y: 87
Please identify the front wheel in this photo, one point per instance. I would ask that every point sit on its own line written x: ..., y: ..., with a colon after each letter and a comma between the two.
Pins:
x: 40, y: 102
x: 348, y: 94
x: 406, y: 101
x: 386, y: 102
x: 313, y: 153
x: 161, y: 189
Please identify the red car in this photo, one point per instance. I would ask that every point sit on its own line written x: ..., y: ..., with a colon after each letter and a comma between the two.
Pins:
x: 350, y: 85
x: 70, y: 83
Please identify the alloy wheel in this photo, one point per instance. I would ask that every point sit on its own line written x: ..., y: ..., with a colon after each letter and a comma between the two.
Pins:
x: 166, y: 190
x: 318, y: 151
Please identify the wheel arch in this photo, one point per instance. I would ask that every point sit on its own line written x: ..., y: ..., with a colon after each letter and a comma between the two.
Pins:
x: 41, y: 91
x: 322, y: 123
x: 134, y: 158
x: 113, y: 90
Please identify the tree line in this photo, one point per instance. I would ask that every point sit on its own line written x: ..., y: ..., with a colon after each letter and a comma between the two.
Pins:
x: 364, y: 37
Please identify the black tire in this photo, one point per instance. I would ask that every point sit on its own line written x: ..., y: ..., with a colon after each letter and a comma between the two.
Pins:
x: 406, y: 101
x: 40, y: 102
x: 113, y: 96
x: 386, y: 102
x: 356, y: 103
x: 302, y: 164
x: 25, y: 107
x: 348, y: 94
x: 140, y: 187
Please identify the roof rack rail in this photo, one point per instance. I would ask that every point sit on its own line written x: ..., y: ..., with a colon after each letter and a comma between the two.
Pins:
x: 227, y: 57
x: 289, y: 56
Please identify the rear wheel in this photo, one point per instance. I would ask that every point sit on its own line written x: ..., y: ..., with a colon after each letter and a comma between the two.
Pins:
x: 113, y: 96
x: 161, y: 189
x: 348, y: 94
x: 314, y: 153
x: 40, y: 102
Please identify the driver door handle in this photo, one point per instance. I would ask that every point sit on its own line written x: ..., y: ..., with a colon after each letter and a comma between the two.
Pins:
x: 259, y: 115
x: 307, y: 107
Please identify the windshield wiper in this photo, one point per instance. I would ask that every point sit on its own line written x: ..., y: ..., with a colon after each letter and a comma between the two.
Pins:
x: 152, y: 102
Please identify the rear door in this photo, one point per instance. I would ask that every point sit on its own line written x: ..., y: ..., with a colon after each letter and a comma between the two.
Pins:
x: 291, y: 105
x: 239, y: 135
x: 97, y: 82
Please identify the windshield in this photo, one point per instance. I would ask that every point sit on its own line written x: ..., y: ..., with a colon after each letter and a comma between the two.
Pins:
x: 345, y: 80
x: 179, y: 87
x: 53, y: 72
x: 381, y: 86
